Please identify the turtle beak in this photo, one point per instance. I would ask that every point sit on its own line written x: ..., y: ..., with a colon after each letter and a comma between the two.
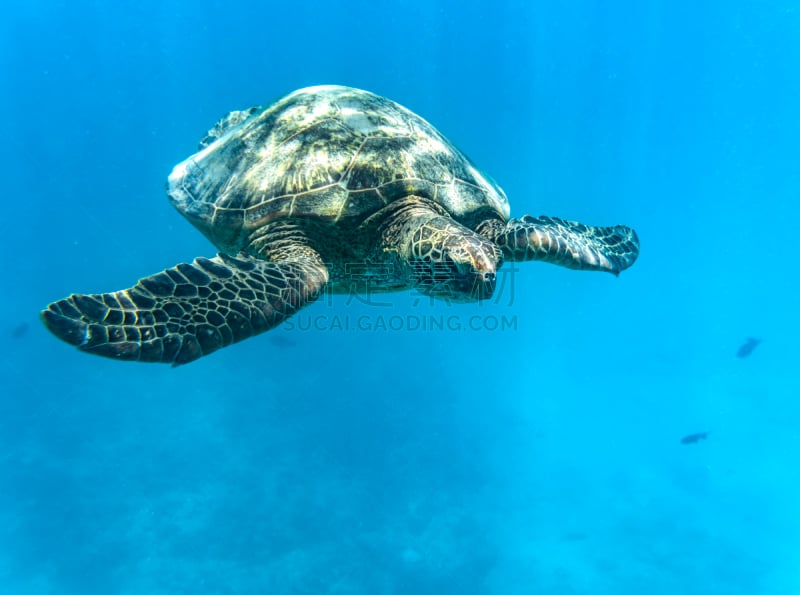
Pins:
x: 476, y: 281
x: 485, y: 284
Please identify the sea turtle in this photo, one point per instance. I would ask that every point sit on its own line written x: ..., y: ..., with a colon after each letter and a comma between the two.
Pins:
x: 330, y: 188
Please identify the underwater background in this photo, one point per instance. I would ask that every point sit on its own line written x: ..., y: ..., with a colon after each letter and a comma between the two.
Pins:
x: 542, y: 456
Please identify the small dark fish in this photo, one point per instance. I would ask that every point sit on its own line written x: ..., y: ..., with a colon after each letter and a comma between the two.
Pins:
x: 694, y: 438
x: 747, y: 347
x: 19, y: 331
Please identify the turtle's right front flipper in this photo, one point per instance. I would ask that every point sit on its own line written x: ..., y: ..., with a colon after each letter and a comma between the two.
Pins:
x: 566, y: 243
x: 188, y: 311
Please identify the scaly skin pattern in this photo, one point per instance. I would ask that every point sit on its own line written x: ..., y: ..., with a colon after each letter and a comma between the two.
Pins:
x: 452, y: 261
x: 565, y: 243
x: 188, y: 311
x: 443, y: 257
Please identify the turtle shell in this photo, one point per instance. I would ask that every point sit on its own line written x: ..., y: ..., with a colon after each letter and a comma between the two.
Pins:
x: 332, y: 153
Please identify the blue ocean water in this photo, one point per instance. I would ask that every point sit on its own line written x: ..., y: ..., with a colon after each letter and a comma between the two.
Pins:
x: 542, y: 457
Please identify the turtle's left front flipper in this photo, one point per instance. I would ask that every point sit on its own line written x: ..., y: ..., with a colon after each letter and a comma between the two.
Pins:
x: 566, y: 243
x: 188, y: 311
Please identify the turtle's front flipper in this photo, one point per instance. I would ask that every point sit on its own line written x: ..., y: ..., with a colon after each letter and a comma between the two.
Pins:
x: 566, y: 243
x: 188, y: 311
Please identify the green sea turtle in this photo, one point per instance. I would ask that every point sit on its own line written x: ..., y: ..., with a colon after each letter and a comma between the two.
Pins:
x: 330, y: 188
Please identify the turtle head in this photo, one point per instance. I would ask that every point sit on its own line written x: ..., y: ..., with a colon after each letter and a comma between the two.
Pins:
x: 459, y: 265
